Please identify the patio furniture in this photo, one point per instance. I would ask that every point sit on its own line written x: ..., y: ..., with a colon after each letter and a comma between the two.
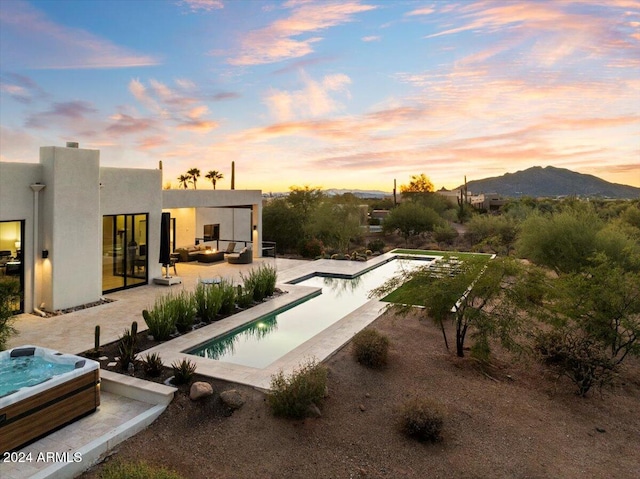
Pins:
x: 210, y: 256
x: 245, y: 256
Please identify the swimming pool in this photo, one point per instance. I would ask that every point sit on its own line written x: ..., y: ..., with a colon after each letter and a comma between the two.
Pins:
x: 267, y: 339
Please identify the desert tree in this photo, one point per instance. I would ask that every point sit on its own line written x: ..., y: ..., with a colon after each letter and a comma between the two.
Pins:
x: 183, y: 180
x: 336, y: 223
x: 478, y: 296
x: 411, y: 219
x: 214, y: 176
x: 193, y: 174
x: 592, y: 320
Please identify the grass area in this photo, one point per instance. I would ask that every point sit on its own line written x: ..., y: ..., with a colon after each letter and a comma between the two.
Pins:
x: 409, y: 292
x: 424, y: 252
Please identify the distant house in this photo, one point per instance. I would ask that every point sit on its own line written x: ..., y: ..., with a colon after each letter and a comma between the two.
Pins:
x: 488, y: 202
x: 72, y: 230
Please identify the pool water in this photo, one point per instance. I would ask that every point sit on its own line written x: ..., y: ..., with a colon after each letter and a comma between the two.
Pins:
x: 26, y: 371
x: 267, y: 339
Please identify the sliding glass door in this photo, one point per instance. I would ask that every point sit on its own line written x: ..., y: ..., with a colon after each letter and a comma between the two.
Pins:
x: 11, y: 258
x: 124, y: 251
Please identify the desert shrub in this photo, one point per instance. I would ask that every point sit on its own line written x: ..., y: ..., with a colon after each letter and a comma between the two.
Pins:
x: 371, y: 348
x: 577, y: 356
x: 136, y: 470
x: 228, y: 295
x: 183, y: 371
x: 183, y: 309
x: 422, y: 419
x: 292, y: 395
x: 311, y: 248
x: 376, y: 245
x: 160, y: 319
x: 444, y: 234
x: 127, y: 349
x: 9, y: 297
x: 207, y: 301
x: 152, y: 365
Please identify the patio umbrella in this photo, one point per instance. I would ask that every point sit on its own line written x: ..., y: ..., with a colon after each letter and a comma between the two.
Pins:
x: 165, y: 253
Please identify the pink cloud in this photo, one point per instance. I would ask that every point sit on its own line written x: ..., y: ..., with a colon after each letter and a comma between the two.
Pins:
x: 279, y: 41
x: 35, y: 41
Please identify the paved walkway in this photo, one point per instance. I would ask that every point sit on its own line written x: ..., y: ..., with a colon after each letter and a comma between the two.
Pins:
x: 74, y: 332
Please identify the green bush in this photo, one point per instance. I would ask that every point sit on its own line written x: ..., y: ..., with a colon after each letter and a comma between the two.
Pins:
x: 311, y: 248
x: 444, y: 234
x: 228, y: 293
x: 422, y: 419
x: 183, y: 308
x: 371, y: 348
x: 292, y: 395
x: 376, y: 245
x: 136, y: 470
x: 183, y: 371
x: 262, y: 281
x: 244, y: 297
x: 160, y: 320
x: 9, y: 304
x: 207, y: 301
x: 152, y: 365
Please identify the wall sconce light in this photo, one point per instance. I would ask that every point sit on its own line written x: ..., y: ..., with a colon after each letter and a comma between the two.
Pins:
x: 255, y: 227
x: 45, y: 253
x: 18, y: 245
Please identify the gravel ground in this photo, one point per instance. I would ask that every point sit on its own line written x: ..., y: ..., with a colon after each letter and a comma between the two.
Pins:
x: 513, y: 423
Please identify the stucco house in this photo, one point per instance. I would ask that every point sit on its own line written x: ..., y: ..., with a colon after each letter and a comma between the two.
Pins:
x: 72, y: 230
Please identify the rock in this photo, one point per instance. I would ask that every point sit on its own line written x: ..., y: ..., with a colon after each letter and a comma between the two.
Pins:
x: 600, y: 429
x: 367, y: 395
x: 362, y: 408
x: 313, y: 411
x: 232, y: 398
x: 199, y: 390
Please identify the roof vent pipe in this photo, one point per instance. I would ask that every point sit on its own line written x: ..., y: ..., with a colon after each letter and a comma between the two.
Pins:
x: 73, y: 144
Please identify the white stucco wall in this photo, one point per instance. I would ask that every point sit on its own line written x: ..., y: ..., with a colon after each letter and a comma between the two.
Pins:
x: 216, y: 206
x: 135, y: 191
x: 71, y: 227
x: 16, y: 203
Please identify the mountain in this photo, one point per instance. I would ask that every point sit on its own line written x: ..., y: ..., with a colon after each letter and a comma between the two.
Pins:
x: 551, y: 181
x: 359, y: 193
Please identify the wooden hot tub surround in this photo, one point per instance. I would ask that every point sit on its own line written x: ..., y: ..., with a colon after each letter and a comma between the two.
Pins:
x: 49, y: 408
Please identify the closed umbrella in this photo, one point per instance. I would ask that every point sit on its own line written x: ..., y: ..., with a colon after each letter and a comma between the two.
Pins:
x: 165, y: 253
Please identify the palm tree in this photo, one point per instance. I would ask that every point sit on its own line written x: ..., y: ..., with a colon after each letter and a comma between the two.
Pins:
x: 214, y: 176
x: 183, y: 180
x: 194, y: 173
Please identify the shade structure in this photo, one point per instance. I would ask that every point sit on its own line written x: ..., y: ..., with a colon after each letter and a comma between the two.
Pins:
x: 165, y: 250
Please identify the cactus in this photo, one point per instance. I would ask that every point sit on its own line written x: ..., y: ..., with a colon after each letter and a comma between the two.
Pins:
x: 134, y: 328
x: 96, y: 339
x: 146, y: 316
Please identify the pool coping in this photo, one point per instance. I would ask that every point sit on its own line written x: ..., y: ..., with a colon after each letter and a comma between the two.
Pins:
x: 319, y: 347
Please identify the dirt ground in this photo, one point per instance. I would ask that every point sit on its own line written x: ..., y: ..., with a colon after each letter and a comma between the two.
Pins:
x: 517, y: 423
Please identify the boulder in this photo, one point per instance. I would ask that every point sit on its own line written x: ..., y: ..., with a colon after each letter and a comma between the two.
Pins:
x: 199, y: 390
x: 232, y: 399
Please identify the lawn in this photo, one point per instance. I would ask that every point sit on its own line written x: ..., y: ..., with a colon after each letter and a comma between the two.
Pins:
x: 409, y: 292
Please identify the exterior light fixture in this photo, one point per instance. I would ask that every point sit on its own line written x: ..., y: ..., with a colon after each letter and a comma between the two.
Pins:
x: 255, y: 227
x: 45, y: 253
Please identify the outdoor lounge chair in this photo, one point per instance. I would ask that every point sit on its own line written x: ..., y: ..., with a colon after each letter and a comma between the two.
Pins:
x: 230, y: 247
x: 245, y: 256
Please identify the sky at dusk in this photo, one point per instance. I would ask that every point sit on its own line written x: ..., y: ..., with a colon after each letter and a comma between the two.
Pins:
x: 345, y: 94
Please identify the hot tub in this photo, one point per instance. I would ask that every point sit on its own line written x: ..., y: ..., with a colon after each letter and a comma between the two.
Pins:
x: 42, y: 390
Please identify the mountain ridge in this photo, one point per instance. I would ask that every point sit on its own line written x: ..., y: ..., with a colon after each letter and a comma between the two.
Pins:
x: 551, y: 181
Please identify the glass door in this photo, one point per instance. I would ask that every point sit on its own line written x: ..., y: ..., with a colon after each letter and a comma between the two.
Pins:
x: 124, y: 246
x: 11, y: 260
